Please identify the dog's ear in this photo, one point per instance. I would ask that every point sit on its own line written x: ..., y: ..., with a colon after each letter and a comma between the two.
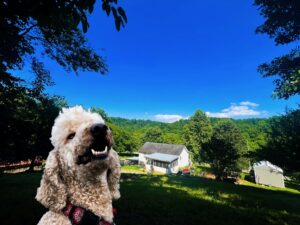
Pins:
x: 113, y: 175
x: 52, y: 192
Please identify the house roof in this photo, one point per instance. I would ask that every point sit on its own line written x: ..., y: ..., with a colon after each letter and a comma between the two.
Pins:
x: 162, y: 157
x: 133, y: 159
x: 151, y: 147
x: 266, y: 165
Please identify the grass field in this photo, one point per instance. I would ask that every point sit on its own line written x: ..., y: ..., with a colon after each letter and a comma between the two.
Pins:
x: 133, y: 169
x: 162, y: 200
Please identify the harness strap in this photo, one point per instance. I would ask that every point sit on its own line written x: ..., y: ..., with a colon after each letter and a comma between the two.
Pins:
x: 81, y: 216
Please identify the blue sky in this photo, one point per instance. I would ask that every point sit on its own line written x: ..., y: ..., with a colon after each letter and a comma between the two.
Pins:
x: 174, y: 57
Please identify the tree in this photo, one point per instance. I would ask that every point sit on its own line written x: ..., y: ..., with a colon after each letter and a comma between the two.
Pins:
x: 27, y: 112
x: 13, y: 117
x: 197, y: 132
x: 153, y: 134
x: 283, y: 147
x: 27, y: 115
x: 43, y: 109
x: 283, y: 25
x: 225, y: 149
x: 171, y: 138
x: 53, y: 25
x: 124, y: 141
x: 102, y: 113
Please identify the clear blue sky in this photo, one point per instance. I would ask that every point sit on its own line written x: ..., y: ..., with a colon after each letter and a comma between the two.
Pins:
x: 174, y: 57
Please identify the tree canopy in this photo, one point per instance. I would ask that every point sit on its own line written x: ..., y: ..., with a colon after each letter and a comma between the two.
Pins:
x: 197, y: 132
x: 153, y: 134
x: 27, y: 115
x: 283, y: 142
x: 282, y: 23
x: 225, y: 149
x: 54, y: 25
x: 30, y: 29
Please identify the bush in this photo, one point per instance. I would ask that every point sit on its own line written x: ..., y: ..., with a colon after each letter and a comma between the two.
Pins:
x: 250, y: 176
x: 295, y: 176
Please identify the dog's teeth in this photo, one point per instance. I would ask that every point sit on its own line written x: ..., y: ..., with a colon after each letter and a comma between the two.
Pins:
x: 94, y: 152
x: 99, y: 153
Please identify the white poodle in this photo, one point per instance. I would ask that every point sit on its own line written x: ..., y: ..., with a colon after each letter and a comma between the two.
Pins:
x: 82, y: 172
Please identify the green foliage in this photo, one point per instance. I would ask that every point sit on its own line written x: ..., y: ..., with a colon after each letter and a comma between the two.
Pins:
x: 283, y: 25
x: 102, y: 113
x: 153, y: 134
x: 124, y: 141
x: 197, y: 132
x: 54, y: 26
x: 27, y: 115
x: 143, y: 125
x: 253, y: 130
x: 225, y: 149
x: 287, y: 68
x: 172, y: 138
x: 283, y: 147
x: 134, y: 124
x: 282, y: 20
x: 147, y: 130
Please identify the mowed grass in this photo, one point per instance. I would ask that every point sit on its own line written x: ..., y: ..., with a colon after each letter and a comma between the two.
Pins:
x: 163, y: 200
x: 137, y: 169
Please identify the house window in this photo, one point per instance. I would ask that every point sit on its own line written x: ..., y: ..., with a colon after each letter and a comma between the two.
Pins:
x: 175, y: 163
x: 149, y: 161
x: 160, y: 164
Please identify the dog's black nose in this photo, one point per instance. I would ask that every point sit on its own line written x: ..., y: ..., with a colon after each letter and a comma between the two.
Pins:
x: 99, y: 129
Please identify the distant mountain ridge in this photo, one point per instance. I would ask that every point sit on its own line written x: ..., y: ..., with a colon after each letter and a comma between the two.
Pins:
x: 255, y: 130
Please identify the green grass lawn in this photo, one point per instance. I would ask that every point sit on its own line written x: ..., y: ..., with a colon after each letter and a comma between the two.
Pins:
x: 166, y: 200
x: 133, y: 169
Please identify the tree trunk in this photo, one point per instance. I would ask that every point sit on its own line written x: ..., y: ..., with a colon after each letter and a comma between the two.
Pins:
x: 31, y: 167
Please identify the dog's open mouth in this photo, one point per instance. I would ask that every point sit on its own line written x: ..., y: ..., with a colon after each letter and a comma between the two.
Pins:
x: 94, y: 152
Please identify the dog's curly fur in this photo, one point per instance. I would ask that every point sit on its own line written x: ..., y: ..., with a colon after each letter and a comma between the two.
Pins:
x: 93, y: 185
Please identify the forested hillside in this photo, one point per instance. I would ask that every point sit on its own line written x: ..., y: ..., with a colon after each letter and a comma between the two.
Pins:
x: 254, y: 130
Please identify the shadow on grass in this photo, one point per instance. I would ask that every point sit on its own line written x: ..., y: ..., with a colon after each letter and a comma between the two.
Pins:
x: 17, y: 196
x: 193, y: 200
x: 161, y: 200
x: 293, y: 185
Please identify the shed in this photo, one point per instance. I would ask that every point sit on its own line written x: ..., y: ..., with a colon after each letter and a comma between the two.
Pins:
x: 268, y: 174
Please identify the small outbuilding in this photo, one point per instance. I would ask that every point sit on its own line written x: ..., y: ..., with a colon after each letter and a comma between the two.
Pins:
x: 268, y: 174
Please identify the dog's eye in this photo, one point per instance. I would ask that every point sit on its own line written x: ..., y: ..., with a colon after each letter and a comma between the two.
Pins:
x: 71, y: 136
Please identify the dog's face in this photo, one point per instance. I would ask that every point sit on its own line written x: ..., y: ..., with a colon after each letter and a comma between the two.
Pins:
x: 82, y: 138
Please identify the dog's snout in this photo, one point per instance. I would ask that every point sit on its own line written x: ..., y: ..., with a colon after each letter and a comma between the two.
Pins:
x: 99, y: 129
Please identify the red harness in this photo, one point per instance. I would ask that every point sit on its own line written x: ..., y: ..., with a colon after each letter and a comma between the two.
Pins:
x: 81, y: 216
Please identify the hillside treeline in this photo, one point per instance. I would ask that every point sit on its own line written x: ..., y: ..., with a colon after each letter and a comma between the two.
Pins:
x: 27, y: 115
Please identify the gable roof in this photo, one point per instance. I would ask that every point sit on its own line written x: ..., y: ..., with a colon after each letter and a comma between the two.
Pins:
x: 266, y: 165
x: 151, y: 147
x: 162, y: 157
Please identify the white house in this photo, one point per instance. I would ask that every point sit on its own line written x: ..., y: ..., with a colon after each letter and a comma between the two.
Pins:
x: 268, y: 174
x: 165, y: 158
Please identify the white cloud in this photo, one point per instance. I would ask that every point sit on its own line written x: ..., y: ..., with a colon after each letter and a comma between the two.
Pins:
x: 244, y: 109
x: 247, y: 103
x: 167, y: 118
